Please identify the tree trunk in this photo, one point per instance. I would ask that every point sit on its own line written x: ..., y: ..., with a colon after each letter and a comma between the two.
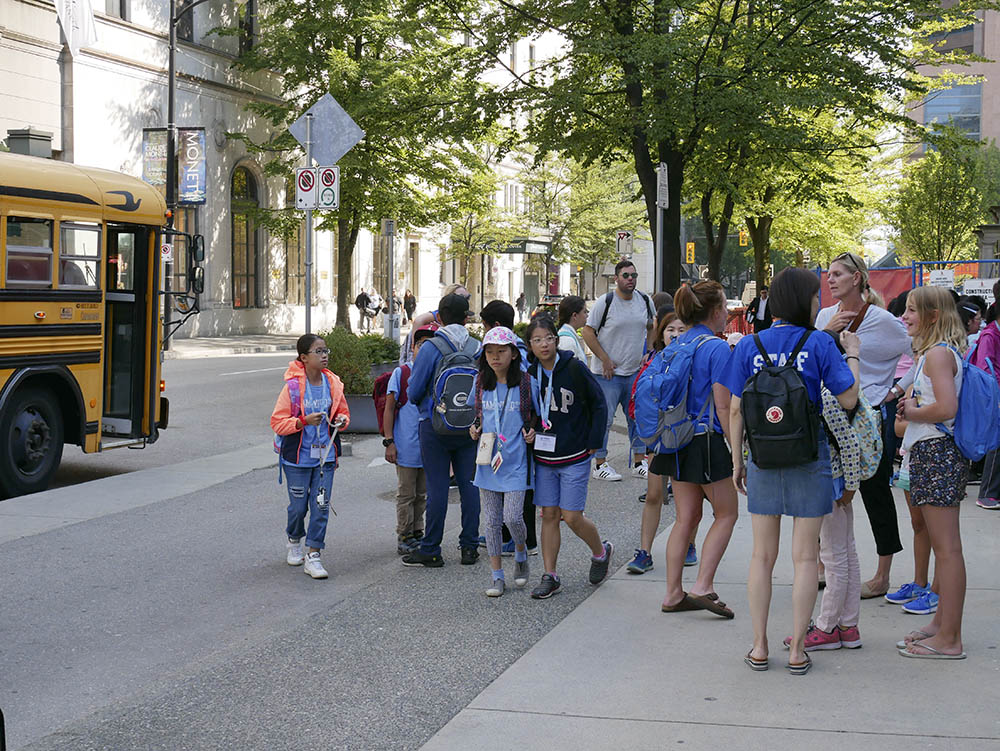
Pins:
x: 760, y: 235
x: 347, y: 237
x: 716, y: 244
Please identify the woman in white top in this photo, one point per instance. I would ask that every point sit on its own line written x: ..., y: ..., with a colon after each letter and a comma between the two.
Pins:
x: 883, y: 341
x: 572, y: 317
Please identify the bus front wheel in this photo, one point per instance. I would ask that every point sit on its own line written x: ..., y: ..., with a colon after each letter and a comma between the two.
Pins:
x: 31, y: 441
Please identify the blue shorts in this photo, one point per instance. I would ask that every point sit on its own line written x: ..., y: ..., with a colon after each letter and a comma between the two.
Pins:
x: 565, y: 487
x: 805, y: 490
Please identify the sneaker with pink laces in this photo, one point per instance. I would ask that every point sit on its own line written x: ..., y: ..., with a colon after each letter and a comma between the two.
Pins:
x: 817, y: 639
x: 850, y: 637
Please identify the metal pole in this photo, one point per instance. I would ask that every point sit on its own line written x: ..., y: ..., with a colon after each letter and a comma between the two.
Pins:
x: 171, y: 167
x: 309, y: 230
x: 658, y: 261
x: 392, y: 282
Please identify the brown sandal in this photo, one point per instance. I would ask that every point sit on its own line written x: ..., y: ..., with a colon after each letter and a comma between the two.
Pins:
x: 685, y: 604
x: 713, y: 605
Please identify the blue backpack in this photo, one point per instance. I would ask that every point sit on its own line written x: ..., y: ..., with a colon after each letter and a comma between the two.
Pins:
x: 453, y: 409
x: 977, y: 422
x: 662, y: 421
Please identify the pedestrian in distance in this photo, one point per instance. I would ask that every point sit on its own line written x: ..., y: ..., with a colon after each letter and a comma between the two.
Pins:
x: 504, y: 430
x: 884, y: 340
x: 703, y: 468
x: 522, y: 305
x: 759, y: 312
x: 798, y: 357
x: 938, y: 470
x: 616, y: 333
x: 572, y: 417
x: 362, y: 303
x: 409, y: 306
x: 440, y: 450
x: 424, y: 319
x: 311, y: 401
x: 401, y: 423
x: 572, y: 317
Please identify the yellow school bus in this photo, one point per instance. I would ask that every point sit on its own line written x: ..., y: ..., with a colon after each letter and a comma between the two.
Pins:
x: 80, y: 324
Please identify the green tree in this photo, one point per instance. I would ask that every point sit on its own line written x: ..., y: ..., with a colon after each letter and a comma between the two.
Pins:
x: 414, y: 89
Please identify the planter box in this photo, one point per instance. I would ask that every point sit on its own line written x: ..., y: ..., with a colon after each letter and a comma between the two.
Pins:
x: 382, y: 367
x: 363, y: 419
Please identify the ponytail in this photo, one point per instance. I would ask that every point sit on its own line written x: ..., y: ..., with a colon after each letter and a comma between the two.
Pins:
x: 695, y: 304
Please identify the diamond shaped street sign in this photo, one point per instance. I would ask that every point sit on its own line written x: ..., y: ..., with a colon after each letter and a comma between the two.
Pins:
x: 334, y: 133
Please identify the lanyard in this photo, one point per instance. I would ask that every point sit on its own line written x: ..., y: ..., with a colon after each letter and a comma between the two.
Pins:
x: 498, y: 414
x: 546, y: 404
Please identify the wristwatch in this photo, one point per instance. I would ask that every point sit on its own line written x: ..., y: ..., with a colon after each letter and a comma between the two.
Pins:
x: 387, y: 442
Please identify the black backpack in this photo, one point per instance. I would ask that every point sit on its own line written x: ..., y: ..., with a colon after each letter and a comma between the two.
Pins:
x: 782, y: 423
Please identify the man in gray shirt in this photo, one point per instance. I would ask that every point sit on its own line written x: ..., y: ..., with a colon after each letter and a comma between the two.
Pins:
x: 616, y: 334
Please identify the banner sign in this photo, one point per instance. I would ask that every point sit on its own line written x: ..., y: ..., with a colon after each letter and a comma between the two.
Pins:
x: 154, y: 158
x: 190, y: 166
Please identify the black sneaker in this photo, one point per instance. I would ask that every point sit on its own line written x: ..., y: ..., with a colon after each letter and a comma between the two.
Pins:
x: 599, y: 569
x: 469, y: 556
x: 405, y: 545
x: 416, y: 558
x: 546, y: 588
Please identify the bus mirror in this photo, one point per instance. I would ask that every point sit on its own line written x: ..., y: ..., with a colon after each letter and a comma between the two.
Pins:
x: 198, y: 280
x: 197, y: 249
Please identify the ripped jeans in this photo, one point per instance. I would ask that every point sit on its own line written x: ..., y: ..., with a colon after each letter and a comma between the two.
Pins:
x: 303, y: 483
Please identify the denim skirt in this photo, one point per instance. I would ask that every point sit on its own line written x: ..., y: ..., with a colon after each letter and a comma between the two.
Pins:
x: 804, y: 490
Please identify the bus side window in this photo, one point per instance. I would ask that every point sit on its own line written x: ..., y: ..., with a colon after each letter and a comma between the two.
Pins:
x: 29, y: 252
x: 79, y: 255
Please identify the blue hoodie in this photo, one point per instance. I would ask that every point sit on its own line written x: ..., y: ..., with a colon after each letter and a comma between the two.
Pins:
x: 578, y: 413
x: 420, y: 389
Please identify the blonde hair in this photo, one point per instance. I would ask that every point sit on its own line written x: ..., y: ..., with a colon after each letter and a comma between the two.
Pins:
x: 947, y: 327
x: 853, y: 260
x: 451, y: 288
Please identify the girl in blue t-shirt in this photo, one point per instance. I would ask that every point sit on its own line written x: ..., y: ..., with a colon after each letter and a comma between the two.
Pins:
x: 804, y: 492
x: 702, y: 468
x: 504, y: 396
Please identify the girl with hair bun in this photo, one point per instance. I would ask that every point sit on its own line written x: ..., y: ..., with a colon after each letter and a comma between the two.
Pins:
x: 883, y: 341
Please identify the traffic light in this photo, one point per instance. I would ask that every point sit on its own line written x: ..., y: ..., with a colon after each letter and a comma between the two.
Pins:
x: 744, y: 238
x: 690, y: 253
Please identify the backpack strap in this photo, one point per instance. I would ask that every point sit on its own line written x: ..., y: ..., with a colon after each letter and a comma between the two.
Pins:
x: 760, y: 346
x: 799, y: 346
x: 649, y: 306
x: 527, y: 410
x: 607, y: 306
x: 479, y: 400
x: 404, y: 381
x: 294, y: 395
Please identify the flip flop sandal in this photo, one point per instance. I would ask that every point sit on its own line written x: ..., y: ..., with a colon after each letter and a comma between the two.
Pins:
x: 712, y: 605
x: 685, y: 604
x: 932, y: 654
x: 867, y: 593
x: 799, y: 668
x: 754, y: 663
x: 913, y: 636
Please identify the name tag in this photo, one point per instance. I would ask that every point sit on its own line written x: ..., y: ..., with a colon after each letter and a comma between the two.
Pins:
x: 315, y: 452
x: 497, y: 461
x: 545, y: 442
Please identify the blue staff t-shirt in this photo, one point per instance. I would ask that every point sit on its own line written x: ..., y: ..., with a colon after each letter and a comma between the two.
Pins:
x: 709, y: 366
x: 405, y: 427
x: 819, y: 362
x: 513, y: 473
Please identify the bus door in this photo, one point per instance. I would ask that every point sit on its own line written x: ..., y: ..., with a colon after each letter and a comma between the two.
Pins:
x: 125, y: 366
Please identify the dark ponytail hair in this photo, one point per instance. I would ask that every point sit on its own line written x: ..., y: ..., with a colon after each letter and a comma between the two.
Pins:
x: 539, y: 322
x: 305, y: 343
x: 569, y: 307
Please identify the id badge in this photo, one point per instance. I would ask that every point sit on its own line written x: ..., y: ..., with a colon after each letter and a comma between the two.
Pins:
x: 497, y: 461
x: 545, y: 442
x: 315, y: 452
x: 484, y: 452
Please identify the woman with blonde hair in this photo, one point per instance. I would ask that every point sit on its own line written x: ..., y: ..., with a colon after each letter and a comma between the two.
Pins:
x: 425, y: 319
x: 884, y: 340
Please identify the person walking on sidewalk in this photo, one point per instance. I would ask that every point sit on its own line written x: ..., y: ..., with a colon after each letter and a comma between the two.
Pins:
x: 440, y: 451
x: 988, y: 348
x: 759, y: 312
x: 803, y: 491
x: 938, y: 471
x: 311, y: 400
x: 616, y: 334
x: 703, y: 468
x: 883, y: 341
x: 504, y: 428
x: 571, y: 429
x: 521, y: 304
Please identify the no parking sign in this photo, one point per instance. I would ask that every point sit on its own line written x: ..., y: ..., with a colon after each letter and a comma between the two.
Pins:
x: 329, y: 188
x: 305, y: 188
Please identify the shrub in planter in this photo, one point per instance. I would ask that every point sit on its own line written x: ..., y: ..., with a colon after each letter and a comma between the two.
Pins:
x: 349, y: 360
x: 379, y: 349
x: 520, y: 329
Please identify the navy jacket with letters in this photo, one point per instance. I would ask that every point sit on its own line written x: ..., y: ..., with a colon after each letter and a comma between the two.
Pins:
x: 578, y: 412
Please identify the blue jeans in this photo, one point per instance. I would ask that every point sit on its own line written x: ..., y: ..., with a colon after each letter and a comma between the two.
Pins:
x: 303, y: 484
x: 441, y: 454
x: 618, y: 391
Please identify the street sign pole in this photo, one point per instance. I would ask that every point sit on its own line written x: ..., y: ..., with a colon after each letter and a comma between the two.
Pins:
x: 662, y: 202
x: 309, y: 231
x: 391, y: 321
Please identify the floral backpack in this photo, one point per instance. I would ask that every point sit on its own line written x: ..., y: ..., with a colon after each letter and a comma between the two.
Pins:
x: 857, y: 440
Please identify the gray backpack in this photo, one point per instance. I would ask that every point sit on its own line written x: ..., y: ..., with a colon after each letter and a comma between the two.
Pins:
x: 453, y: 410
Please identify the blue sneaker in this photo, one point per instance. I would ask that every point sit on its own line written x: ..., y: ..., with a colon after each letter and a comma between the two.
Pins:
x: 923, y: 605
x: 906, y: 593
x: 481, y: 541
x: 640, y: 563
x: 691, y: 559
x: 507, y: 548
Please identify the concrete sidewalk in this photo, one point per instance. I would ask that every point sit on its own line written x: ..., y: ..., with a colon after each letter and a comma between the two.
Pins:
x: 223, y: 346
x: 619, y: 674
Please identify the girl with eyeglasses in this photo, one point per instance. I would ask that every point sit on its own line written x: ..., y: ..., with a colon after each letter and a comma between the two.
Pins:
x: 310, y: 403
x: 883, y: 341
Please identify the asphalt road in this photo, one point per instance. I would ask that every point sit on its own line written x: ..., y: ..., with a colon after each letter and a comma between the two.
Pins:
x: 217, y: 405
x: 178, y: 625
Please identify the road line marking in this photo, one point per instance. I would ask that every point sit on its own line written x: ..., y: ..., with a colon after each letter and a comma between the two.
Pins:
x: 259, y: 370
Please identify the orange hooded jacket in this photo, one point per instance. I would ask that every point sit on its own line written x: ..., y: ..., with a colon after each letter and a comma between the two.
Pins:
x: 285, y: 424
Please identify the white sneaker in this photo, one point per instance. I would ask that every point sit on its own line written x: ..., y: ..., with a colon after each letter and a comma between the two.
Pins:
x: 314, y: 568
x: 641, y: 470
x: 606, y: 472
x: 295, y: 553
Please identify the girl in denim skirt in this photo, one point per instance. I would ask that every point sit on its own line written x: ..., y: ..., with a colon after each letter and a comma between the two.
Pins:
x: 938, y: 471
x: 804, y: 492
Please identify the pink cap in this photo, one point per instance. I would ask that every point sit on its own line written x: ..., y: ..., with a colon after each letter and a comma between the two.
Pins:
x: 500, y: 335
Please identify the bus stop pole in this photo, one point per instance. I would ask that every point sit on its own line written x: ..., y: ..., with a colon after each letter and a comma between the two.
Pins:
x: 309, y: 231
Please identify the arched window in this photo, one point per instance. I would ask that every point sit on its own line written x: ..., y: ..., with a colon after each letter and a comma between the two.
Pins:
x: 246, y: 256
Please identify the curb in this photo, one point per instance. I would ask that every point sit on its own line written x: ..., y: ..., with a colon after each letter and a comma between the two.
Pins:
x: 173, y: 354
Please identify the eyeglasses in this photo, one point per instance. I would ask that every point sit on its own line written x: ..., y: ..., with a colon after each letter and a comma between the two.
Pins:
x: 542, y: 340
x: 634, y: 275
x: 323, y: 352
